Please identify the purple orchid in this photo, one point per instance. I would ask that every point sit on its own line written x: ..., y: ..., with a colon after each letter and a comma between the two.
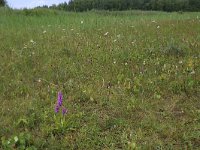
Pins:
x: 60, y: 99
x: 64, y: 111
x: 57, y: 109
x: 60, y: 104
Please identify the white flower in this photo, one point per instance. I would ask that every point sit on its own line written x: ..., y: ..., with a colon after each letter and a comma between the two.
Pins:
x: 193, y: 72
x: 180, y: 62
x: 153, y: 21
x: 44, y: 31
x: 118, y: 36
x: 39, y: 80
x: 158, y: 27
x: 72, y: 29
x: 133, y: 42
x: 33, y: 42
x: 16, y: 138
x: 106, y: 33
x: 115, y: 40
x: 82, y: 22
x: 25, y: 46
x: 165, y: 66
x: 63, y: 29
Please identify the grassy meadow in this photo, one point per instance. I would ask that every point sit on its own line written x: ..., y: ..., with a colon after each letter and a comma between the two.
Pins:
x: 130, y: 80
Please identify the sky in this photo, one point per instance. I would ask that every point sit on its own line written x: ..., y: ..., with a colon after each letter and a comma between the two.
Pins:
x: 32, y: 3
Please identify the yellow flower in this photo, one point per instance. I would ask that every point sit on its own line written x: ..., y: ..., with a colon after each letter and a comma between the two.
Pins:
x: 190, y: 63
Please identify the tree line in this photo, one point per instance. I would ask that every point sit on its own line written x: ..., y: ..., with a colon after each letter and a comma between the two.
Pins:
x: 161, y: 5
x: 3, y: 3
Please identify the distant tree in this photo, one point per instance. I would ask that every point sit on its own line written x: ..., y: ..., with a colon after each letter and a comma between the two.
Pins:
x: 194, y: 5
x: 3, y: 2
x: 161, y: 5
x: 62, y: 6
x: 53, y: 6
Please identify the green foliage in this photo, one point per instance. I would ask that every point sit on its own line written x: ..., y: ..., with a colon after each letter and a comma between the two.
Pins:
x: 3, y: 3
x: 22, y: 142
x: 164, y: 5
x: 39, y: 12
x: 175, y: 50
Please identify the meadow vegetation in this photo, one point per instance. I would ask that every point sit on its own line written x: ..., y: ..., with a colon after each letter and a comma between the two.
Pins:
x: 130, y: 79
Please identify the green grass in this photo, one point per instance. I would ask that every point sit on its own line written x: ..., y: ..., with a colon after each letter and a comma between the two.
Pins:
x: 130, y: 80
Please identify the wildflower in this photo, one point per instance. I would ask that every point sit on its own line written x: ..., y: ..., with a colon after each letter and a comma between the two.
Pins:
x: 31, y: 41
x: 106, y: 33
x: 59, y: 104
x: 64, y: 111
x: 25, y: 46
x: 60, y: 99
x: 44, y: 31
x: 158, y: 27
x: 193, y: 72
x: 165, y: 66
x: 57, y: 108
x: 39, y: 80
x: 133, y: 42
x: 115, y: 40
x: 16, y: 138
x: 180, y: 62
x: 82, y: 22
